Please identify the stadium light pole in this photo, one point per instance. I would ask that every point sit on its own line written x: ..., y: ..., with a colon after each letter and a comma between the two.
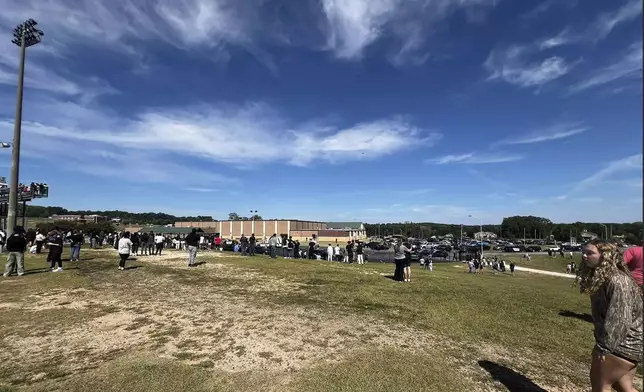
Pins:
x: 24, y: 35
x: 481, y: 231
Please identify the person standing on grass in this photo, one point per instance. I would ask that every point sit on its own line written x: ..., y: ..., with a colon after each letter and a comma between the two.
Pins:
x: 143, y: 239
x: 359, y: 252
x: 159, y: 240
x: 407, y: 266
x: 272, y: 246
x: 617, y: 311
x: 40, y: 240
x: 136, y: 242
x: 310, y: 253
x: 290, y: 248
x: 55, y: 244
x: 76, y: 239
x: 124, y: 248
x: 633, y: 260
x: 192, y: 242
x: 399, y: 260
x: 512, y: 267
x: 243, y: 243
x: 150, y: 243
x: 16, y: 246
x: 251, y: 243
x: 329, y: 253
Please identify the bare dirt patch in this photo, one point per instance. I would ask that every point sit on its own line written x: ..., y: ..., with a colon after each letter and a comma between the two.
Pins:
x: 186, y: 316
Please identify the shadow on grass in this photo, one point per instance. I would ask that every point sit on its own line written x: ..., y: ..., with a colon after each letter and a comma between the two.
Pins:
x: 133, y: 267
x: 580, y: 316
x: 513, y: 381
x: 199, y: 263
x: 36, y: 271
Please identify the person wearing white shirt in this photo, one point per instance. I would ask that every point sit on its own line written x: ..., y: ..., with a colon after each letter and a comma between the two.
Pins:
x: 337, y: 254
x: 159, y: 240
x: 40, y: 240
x: 124, y: 248
x: 329, y: 253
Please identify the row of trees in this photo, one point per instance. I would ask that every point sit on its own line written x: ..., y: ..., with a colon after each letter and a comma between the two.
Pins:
x: 105, y: 227
x: 236, y: 216
x: 515, y: 227
x: 155, y: 218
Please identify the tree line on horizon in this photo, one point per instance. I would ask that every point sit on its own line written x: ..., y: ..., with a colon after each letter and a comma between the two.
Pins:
x: 514, y: 227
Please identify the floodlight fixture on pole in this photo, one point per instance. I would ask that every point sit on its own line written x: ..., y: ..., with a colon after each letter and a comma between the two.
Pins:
x: 5, y: 145
x: 481, y: 236
x: 24, y: 35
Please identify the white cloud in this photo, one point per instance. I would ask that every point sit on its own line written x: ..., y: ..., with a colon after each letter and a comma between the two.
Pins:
x: 243, y: 136
x: 472, y: 158
x: 511, y: 66
x: 40, y: 76
x: 183, y: 23
x: 630, y: 163
x: 554, y: 132
x: 354, y: 25
x: 201, y: 190
x: 608, y: 21
x: 563, y: 38
x: 629, y: 66
x: 588, y: 199
x: 602, y: 26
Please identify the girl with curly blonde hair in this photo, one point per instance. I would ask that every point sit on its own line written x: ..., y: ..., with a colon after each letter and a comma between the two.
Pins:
x: 616, y: 303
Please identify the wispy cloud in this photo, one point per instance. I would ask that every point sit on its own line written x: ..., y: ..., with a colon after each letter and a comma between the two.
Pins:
x: 416, y: 192
x: 202, y: 190
x: 588, y: 199
x: 354, y: 25
x: 475, y: 159
x: 599, y: 29
x: 629, y: 66
x: 242, y: 136
x: 630, y: 163
x: 512, y: 66
x: 554, y: 132
x: 546, y: 6
x: 608, y: 21
x: 563, y: 38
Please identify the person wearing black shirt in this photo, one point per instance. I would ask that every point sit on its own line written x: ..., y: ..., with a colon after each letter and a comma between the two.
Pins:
x: 243, y: 241
x: 252, y: 241
x: 16, y: 246
x: 136, y: 241
x: 311, y: 250
x: 192, y: 242
x: 55, y: 243
x: 289, y: 248
x: 143, y: 239
x: 359, y: 252
x: 296, y: 249
x: 76, y: 239
x: 350, y: 252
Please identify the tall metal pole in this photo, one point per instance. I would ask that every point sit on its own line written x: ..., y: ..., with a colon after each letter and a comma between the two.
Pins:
x: 15, y: 156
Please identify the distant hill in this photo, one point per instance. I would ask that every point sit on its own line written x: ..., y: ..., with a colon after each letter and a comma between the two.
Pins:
x: 155, y: 218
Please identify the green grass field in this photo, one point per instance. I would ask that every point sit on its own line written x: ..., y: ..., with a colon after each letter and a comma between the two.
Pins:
x: 543, y: 262
x: 256, y: 324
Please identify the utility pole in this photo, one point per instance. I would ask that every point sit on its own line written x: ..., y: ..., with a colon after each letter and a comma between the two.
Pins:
x: 481, y: 235
x: 25, y: 35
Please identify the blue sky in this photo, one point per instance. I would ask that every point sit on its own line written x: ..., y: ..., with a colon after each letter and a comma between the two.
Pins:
x: 388, y: 110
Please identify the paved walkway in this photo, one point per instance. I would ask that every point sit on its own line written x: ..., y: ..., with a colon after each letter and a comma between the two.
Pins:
x: 537, y: 271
